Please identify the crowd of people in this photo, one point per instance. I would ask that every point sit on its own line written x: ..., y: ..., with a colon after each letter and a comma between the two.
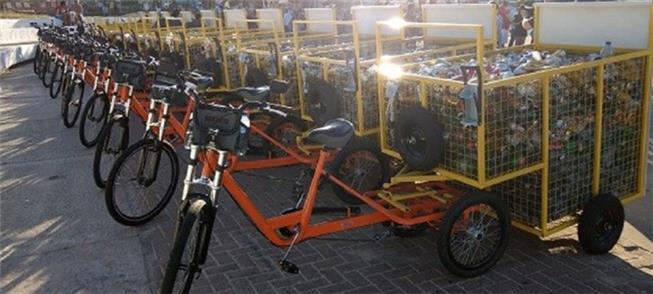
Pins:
x: 514, y: 26
x: 514, y: 19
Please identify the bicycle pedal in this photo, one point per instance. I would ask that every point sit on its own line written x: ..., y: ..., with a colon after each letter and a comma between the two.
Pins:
x: 288, y: 267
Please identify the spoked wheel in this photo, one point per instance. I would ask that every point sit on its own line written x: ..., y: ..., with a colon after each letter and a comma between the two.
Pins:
x: 56, y: 79
x: 43, y: 66
x: 474, y: 234
x: 37, y: 60
x: 49, y: 67
x: 113, y: 140
x: 94, y: 117
x: 141, y: 182
x: 361, y: 166
x: 601, y: 223
x: 71, y: 103
x: 285, y: 130
x: 190, y: 240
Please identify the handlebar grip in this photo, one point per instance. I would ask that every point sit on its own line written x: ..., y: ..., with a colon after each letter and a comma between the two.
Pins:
x: 275, y: 111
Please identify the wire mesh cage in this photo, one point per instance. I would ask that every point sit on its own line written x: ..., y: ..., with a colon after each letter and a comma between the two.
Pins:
x: 555, y: 128
x: 350, y: 68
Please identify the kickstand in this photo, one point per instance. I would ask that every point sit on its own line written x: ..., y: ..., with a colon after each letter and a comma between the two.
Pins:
x: 284, y: 263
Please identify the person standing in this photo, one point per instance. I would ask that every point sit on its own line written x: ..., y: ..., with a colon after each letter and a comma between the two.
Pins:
x: 60, y: 10
x: 517, y: 31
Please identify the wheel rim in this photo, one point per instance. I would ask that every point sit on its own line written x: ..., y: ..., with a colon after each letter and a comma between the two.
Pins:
x: 112, y: 149
x: 74, y: 102
x: 414, y: 141
x: 475, y: 236
x: 606, y: 227
x: 95, y: 118
x: 187, y: 267
x: 137, y: 193
x: 362, y: 170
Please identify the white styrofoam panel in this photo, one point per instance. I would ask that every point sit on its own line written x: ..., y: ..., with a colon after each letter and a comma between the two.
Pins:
x: 625, y: 24
x: 208, y: 18
x: 234, y: 17
x: 11, y: 55
x: 273, y: 14
x: 18, y: 36
x: 320, y: 14
x: 186, y: 16
x: 367, y: 16
x: 460, y: 14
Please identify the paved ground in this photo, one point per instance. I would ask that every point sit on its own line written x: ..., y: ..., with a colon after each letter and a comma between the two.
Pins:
x: 55, y: 234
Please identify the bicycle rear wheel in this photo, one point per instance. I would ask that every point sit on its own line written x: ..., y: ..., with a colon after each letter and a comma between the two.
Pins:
x: 185, y: 258
x: 141, y: 182
x: 43, y: 66
x: 94, y: 118
x: 112, y: 141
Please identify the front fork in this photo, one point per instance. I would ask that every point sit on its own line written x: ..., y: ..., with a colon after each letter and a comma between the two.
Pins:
x: 147, y: 167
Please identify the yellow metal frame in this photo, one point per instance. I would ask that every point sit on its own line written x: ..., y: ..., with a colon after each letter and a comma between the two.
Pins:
x: 545, y: 228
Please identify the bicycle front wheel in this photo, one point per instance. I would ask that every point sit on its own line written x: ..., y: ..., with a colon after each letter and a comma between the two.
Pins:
x: 72, y: 103
x: 49, y: 67
x: 111, y: 143
x: 94, y: 117
x: 141, y: 182
x: 56, y: 79
x: 185, y: 260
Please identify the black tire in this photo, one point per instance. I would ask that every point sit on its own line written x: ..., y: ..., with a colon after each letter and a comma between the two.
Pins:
x: 48, y: 70
x: 284, y: 130
x: 71, y: 103
x: 323, y: 101
x: 362, y: 166
x: 498, y: 219
x: 94, y: 117
x: 600, y: 224
x: 56, y: 80
x: 421, y: 141
x: 145, y: 154
x: 113, y: 140
x: 45, y: 60
x: 255, y: 77
x: 37, y: 60
x: 185, y: 257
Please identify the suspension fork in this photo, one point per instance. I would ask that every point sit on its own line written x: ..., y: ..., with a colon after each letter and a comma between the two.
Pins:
x: 148, y: 169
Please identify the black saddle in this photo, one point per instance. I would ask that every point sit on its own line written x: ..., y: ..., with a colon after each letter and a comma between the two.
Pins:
x: 253, y: 94
x: 333, y: 134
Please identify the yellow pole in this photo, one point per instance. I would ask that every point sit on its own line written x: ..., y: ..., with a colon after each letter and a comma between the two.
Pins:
x: 480, y: 148
x: 645, y: 119
x: 380, y: 87
x: 598, y: 130
x: 298, y: 68
x: 536, y: 32
x: 360, y: 126
x: 544, y: 212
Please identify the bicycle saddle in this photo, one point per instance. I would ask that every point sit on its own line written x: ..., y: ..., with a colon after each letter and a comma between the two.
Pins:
x: 333, y: 134
x: 253, y: 94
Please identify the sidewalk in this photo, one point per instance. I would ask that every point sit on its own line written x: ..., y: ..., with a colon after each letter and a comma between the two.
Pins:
x: 56, y: 236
